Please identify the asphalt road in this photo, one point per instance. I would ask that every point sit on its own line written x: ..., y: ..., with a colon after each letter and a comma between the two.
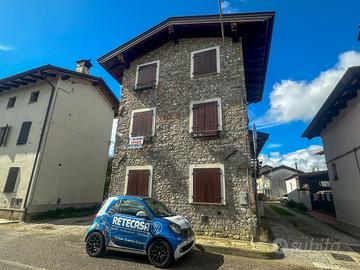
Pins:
x: 48, y: 246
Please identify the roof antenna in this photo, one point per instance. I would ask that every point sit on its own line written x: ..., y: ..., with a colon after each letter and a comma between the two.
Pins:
x: 221, y: 21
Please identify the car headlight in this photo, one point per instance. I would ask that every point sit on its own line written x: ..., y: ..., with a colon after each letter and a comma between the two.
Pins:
x: 175, y: 228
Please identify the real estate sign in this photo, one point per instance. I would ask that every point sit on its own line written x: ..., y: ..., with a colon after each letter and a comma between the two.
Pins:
x: 136, y: 142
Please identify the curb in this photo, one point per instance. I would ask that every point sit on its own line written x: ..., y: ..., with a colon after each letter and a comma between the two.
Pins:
x: 258, y: 250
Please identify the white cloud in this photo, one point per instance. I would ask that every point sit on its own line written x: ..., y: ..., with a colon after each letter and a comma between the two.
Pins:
x: 227, y: 8
x: 112, y: 140
x: 300, y: 100
x: 306, y: 159
x: 5, y: 47
x: 274, y: 145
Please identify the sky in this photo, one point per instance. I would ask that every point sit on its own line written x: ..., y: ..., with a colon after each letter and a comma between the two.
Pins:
x: 314, y: 42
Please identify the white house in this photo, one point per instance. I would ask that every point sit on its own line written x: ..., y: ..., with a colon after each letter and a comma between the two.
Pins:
x: 271, y: 181
x: 338, y: 125
x: 55, y: 127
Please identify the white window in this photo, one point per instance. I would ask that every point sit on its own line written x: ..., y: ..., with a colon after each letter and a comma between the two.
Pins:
x: 143, y: 122
x: 205, y: 61
x: 207, y: 184
x: 147, y: 75
x: 205, y: 117
x: 138, y: 180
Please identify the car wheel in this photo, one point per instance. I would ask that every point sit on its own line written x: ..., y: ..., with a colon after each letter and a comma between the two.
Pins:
x: 95, y: 244
x: 160, y: 254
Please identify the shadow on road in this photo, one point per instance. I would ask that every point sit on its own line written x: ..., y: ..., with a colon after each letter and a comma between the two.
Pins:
x: 193, y: 260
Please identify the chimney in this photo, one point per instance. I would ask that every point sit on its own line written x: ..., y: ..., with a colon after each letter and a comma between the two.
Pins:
x: 83, y: 66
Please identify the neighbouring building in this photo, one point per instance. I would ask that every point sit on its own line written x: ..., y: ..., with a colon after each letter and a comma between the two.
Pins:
x: 312, y: 181
x: 337, y: 123
x: 271, y: 181
x: 185, y: 90
x: 55, y: 128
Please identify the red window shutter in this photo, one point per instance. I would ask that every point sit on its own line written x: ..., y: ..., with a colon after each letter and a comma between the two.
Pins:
x: 204, y: 62
x: 138, y: 182
x: 142, y: 124
x: 207, y: 185
x: 146, y: 75
x: 199, y: 124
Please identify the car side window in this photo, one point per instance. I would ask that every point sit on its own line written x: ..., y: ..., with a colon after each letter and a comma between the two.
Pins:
x: 130, y: 207
x: 116, y: 206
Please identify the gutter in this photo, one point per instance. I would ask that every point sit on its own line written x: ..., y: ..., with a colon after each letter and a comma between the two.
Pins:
x: 39, y: 147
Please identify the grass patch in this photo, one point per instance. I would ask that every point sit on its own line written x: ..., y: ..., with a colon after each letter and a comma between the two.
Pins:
x: 70, y: 212
x: 281, y: 211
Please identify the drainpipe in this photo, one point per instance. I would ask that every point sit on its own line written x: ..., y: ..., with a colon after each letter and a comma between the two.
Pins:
x: 39, y: 146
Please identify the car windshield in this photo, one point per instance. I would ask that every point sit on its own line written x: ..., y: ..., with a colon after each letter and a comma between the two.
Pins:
x: 158, y: 208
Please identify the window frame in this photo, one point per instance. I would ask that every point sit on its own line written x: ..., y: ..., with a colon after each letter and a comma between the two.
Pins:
x: 204, y: 50
x: 143, y: 110
x: 139, y: 168
x: 3, y: 142
x: 13, y: 106
x: 18, y: 142
x: 222, y: 181
x: 192, y: 103
x: 334, y: 171
x: 145, y: 64
x: 37, y: 99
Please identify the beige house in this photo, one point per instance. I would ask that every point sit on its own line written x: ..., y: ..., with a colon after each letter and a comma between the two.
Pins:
x: 55, y: 127
x: 337, y: 123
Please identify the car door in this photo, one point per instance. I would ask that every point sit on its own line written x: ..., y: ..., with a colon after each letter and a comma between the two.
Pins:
x: 127, y: 230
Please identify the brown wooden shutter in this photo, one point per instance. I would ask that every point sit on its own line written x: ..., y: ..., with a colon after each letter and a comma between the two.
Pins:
x: 11, y: 180
x: 205, y: 62
x: 207, y: 185
x: 24, y: 133
x: 205, y: 117
x: 138, y: 182
x: 211, y: 115
x: 146, y: 75
x: 142, y: 124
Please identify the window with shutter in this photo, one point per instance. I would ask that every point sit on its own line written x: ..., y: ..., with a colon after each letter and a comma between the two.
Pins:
x: 206, y: 118
x: 138, y: 182
x: 11, y: 102
x: 205, y: 62
x: 207, y: 185
x: 34, y: 97
x: 3, y: 134
x: 11, y: 180
x: 147, y: 76
x: 143, y: 123
x: 24, y: 133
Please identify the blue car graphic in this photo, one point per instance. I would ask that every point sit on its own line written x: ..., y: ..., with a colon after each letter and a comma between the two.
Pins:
x: 140, y: 225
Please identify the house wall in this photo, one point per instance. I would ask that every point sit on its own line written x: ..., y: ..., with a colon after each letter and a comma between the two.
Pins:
x: 173, y: 150
x: 291, y: 184
x: 340, y: 136
x: 278, y: 186
x: 13, y: 155
x: 74, y: 159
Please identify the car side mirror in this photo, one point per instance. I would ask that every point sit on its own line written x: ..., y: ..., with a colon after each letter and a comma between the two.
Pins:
x: 141, y: 214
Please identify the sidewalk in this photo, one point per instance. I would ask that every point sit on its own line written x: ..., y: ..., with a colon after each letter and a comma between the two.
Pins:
x: 333, y: 222
x: 258, y: 250
x: 8, y: 221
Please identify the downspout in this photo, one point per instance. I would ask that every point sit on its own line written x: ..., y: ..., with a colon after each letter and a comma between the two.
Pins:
x: 39, y: 146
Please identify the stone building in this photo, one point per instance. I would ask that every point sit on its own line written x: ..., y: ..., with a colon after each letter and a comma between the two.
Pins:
x: 185, y: 93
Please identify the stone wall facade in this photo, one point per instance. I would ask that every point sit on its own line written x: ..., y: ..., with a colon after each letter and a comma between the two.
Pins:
x: 173, y: 149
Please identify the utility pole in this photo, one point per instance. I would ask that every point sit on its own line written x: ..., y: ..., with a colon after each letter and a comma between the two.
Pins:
x: 221, y: 21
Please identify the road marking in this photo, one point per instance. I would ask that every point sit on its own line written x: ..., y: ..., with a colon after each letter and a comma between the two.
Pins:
x: 21, y: 265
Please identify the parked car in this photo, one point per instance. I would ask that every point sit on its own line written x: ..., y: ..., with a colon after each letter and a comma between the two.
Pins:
x: 284, y: 198
x: 140, y: 225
